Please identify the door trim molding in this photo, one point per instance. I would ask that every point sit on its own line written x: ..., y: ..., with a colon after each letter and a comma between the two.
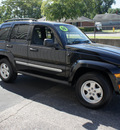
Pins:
x: 39, y: 66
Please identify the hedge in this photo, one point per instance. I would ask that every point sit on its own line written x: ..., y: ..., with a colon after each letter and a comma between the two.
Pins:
x: 86, y: 29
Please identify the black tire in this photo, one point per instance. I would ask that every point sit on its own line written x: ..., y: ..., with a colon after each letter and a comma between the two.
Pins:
x: 7, y: 74
x: 93, y: 90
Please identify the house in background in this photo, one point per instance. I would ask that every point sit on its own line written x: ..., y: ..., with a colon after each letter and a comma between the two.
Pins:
x: 42, y: 19
x: 108, y: 20
x: 79, y: 22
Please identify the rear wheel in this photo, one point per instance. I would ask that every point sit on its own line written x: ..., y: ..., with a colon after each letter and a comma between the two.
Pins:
x: 7, y: 73
x: 93, y: 90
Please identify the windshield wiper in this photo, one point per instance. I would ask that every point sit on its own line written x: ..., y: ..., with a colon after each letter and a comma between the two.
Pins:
x: 77, y: 42
x: 86, y: 41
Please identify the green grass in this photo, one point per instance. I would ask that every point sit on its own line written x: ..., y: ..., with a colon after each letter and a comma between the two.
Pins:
x: 116, y: 30
x: 104, y: 37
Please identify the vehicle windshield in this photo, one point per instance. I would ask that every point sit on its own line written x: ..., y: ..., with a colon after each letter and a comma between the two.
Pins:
x: 72, y: 35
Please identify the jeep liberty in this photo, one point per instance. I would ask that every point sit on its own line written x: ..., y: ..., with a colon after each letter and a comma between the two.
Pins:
x: 61, y: 53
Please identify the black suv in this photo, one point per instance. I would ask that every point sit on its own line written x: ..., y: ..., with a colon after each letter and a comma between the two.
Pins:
x: 62, y: 53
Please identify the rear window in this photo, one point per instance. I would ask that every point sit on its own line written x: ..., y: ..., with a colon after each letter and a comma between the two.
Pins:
x: 4, y: 31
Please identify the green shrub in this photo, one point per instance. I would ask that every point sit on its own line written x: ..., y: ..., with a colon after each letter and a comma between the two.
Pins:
x: 86, y: 29
x: 82, y: 28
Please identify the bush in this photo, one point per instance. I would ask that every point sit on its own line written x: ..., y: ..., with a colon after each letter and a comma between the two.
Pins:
x: 86, y: 29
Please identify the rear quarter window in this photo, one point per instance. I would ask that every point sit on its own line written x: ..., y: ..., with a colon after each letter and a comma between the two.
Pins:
x: 4, y: 31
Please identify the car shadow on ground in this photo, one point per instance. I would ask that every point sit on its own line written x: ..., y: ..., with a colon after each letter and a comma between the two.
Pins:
x: 63, y: 98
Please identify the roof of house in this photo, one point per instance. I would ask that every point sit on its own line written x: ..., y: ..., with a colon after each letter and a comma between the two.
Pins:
x: 79, y: 19
x: 106, y: 17
x: 42, y: 19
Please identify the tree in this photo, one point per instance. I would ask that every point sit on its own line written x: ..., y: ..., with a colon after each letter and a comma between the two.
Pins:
x: 5, y: 12
x: 70, y: 9
x: 102, y: 6
x: 89, y: 8
x: 21, y: 8
x: 61, y: 9
x: 114, y: 11
x: 53, y: 9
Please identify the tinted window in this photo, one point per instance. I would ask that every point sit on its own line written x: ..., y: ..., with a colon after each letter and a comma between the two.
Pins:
x: 42, y: 32
x: 49, y: 33
x: 14, y: 32
x: 20, y: 32
x: 4, y: 31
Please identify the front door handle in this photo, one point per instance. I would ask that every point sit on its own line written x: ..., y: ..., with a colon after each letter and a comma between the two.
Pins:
x: 9, y: 46
x: 33, y: 49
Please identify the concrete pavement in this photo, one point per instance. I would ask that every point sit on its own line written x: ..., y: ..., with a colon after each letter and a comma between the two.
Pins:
x: 56, y: 108
x: 24, y: 87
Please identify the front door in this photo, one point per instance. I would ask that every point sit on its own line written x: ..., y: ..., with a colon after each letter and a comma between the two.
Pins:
x: 45, y: 59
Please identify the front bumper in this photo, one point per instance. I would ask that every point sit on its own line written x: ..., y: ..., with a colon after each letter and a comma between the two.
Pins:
x: 116, y: 84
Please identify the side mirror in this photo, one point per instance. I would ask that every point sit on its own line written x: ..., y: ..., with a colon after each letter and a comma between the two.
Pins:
x: 48, y: 43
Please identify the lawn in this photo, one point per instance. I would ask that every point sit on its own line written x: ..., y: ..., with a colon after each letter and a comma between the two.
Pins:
x: 103, y: 37
x: 110, y: 31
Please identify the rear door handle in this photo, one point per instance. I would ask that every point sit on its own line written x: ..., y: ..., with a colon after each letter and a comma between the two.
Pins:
x: 33, y: 49
x: 9, y: 46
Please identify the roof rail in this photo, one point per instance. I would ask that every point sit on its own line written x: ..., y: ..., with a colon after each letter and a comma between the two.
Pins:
x: 21, y: 19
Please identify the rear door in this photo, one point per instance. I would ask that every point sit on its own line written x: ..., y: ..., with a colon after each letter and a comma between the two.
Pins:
x: 18, y: 44
x: 4, y: 31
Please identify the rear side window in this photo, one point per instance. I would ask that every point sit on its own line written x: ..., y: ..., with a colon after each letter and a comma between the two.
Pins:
x: 4, y: 31
x: 14, y: 32
x: 20, y: 32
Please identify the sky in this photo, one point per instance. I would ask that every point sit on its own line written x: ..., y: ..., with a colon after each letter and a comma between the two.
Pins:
x: 117, y: 5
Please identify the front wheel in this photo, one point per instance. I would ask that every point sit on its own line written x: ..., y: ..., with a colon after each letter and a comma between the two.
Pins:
x: 93, y: 90
x: 7, y: 73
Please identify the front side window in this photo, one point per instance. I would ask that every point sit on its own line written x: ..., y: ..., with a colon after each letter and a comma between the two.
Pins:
x: 40, y: 33
x: 71, y: 34
x: 4, y: 31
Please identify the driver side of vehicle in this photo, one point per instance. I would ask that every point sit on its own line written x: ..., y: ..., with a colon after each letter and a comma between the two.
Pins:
x: 43, y: 56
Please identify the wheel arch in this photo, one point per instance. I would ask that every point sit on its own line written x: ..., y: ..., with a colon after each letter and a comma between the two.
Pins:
x: 3, y: 56
x: 84, y: 70
x: 83, y: 67
x: 9, y: 57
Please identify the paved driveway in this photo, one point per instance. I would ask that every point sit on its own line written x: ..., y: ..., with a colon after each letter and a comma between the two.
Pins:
x: 32, y: 104
x: 23, y: 88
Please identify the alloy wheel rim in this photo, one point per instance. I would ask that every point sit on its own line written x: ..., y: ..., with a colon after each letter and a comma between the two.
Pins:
x: 4, y: 71
x: 92, y: 92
